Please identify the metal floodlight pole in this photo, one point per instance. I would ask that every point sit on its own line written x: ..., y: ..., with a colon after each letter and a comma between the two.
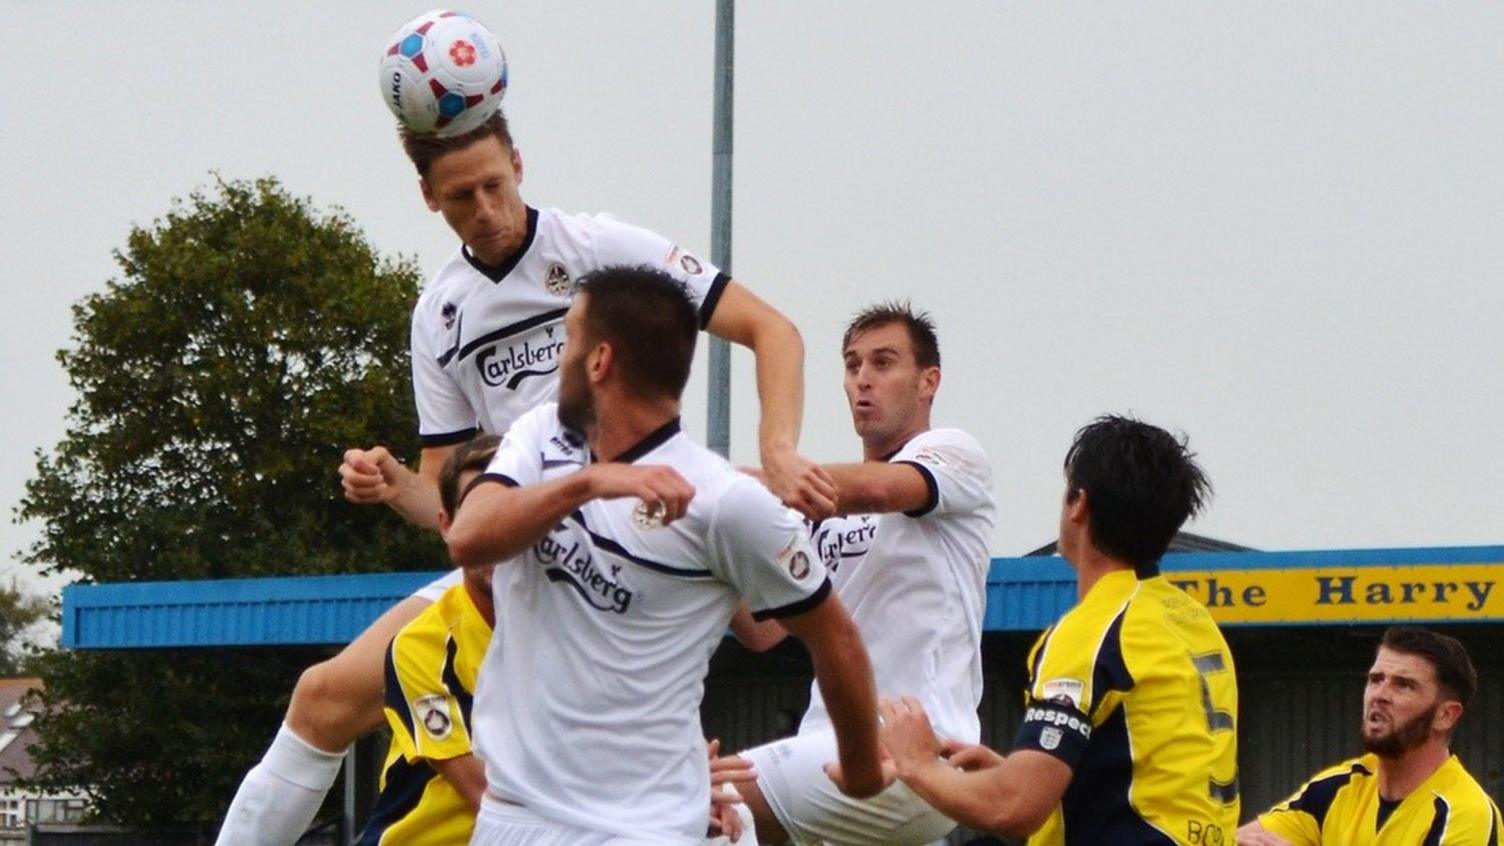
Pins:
x: 718, y: 417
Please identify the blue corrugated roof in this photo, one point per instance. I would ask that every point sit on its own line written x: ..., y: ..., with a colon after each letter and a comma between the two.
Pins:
x: 292, y: 610
x: 1023, y: 594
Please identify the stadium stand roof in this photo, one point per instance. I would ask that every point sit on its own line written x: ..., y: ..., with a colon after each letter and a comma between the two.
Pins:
x: 1320, y: 587
x: 1182, y: 542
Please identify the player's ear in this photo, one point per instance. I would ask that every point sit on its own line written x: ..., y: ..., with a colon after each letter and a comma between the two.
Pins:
x: 1447, y: 715
x: 602, y: 357
x: 517, y: 164
x: 428, y: 197
x: 445, y: 522
x: 1076, y: 507
x: 929, y: 383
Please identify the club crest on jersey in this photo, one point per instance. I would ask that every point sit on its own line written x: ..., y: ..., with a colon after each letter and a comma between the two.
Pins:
x: 646, y: 516
x: 433, y: 713
x: 556, y: 280
x: 448, y: 313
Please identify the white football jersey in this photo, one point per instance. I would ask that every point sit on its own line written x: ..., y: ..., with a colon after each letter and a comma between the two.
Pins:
x: 916, y: 584
x: 588, y: 706
x: 486, y: 340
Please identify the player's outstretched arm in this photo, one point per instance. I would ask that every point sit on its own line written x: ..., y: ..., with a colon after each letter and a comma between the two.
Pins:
x: 1011, y: 796
x: 878, y: 487
x: 844, y: 673
x: 742, y: 318
x: 374, y: 475
x: 500, y: 520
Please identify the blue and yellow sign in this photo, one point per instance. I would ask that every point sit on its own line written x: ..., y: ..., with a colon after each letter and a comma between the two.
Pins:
x: 1348, y: 594
x: 1322, y: 587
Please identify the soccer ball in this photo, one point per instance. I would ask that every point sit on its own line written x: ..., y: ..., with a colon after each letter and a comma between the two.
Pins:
x: 443, y: 73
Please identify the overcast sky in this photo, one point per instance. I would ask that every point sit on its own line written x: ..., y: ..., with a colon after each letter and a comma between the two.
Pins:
x: 1278, y: 227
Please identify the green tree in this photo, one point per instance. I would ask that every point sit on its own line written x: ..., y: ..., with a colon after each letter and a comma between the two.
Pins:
x: 249, y: 340
x: 20, y: 612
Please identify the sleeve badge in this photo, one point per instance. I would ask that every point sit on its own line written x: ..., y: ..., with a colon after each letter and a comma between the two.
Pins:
x: 1063, y: 691
x: 433, y: 712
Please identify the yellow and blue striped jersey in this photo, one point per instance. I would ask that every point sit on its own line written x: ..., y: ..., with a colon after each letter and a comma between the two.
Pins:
x: 431, y: 668
x: 1341, y: 805
x: 1134, y: 690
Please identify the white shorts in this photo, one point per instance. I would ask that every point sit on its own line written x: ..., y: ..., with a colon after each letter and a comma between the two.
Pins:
x: 791, y: 775
x: 435, y: 589
x: 505, y: 824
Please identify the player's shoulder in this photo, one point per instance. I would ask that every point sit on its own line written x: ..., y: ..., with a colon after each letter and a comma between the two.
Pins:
x: 1159, y: 621
x: 543, y: 417
x: 945, y: 436
x: 454, y: 605
x: 1156, y: 602
x: 453, y: 278
x: 951, y: 448
x: 579, y: 226
x: 1462, y: 789
x: 1081, y: 631
x: 605, y: 239
x: 1343, y: 773
x: 710, y: 473
x: 738, y: 503
x: 428, y: 632
x: 1342, y: 785
x: 540, y: 425
x: 1107, y: 601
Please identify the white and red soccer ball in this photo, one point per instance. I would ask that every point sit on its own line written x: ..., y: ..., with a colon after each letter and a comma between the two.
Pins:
x: 443, y: 73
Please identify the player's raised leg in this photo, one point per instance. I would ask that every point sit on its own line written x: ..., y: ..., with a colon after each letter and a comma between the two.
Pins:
x: 335, y: 703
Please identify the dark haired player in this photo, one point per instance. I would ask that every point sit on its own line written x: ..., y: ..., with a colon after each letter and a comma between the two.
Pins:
x: 1129, y: 735
x: 624, y: 548
x: 1409, y: 788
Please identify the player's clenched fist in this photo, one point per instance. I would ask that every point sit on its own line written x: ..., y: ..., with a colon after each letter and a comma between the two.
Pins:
x: 369, y: 475
x: 802, y: 484
x: 664, y: 493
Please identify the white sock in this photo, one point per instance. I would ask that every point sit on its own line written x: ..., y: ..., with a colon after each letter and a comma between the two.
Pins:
x: 280, y: 795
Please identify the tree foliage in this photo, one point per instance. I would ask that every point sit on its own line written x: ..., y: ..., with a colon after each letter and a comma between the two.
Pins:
x: 248, y: 341
x: 20, y: 612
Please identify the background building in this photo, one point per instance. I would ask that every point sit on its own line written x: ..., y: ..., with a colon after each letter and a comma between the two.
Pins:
x: 20, y: 809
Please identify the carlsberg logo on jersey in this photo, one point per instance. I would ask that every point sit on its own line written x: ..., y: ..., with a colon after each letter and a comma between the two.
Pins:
x: 510, y: 365
x: 566, y: 562
x: 839, y: 540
